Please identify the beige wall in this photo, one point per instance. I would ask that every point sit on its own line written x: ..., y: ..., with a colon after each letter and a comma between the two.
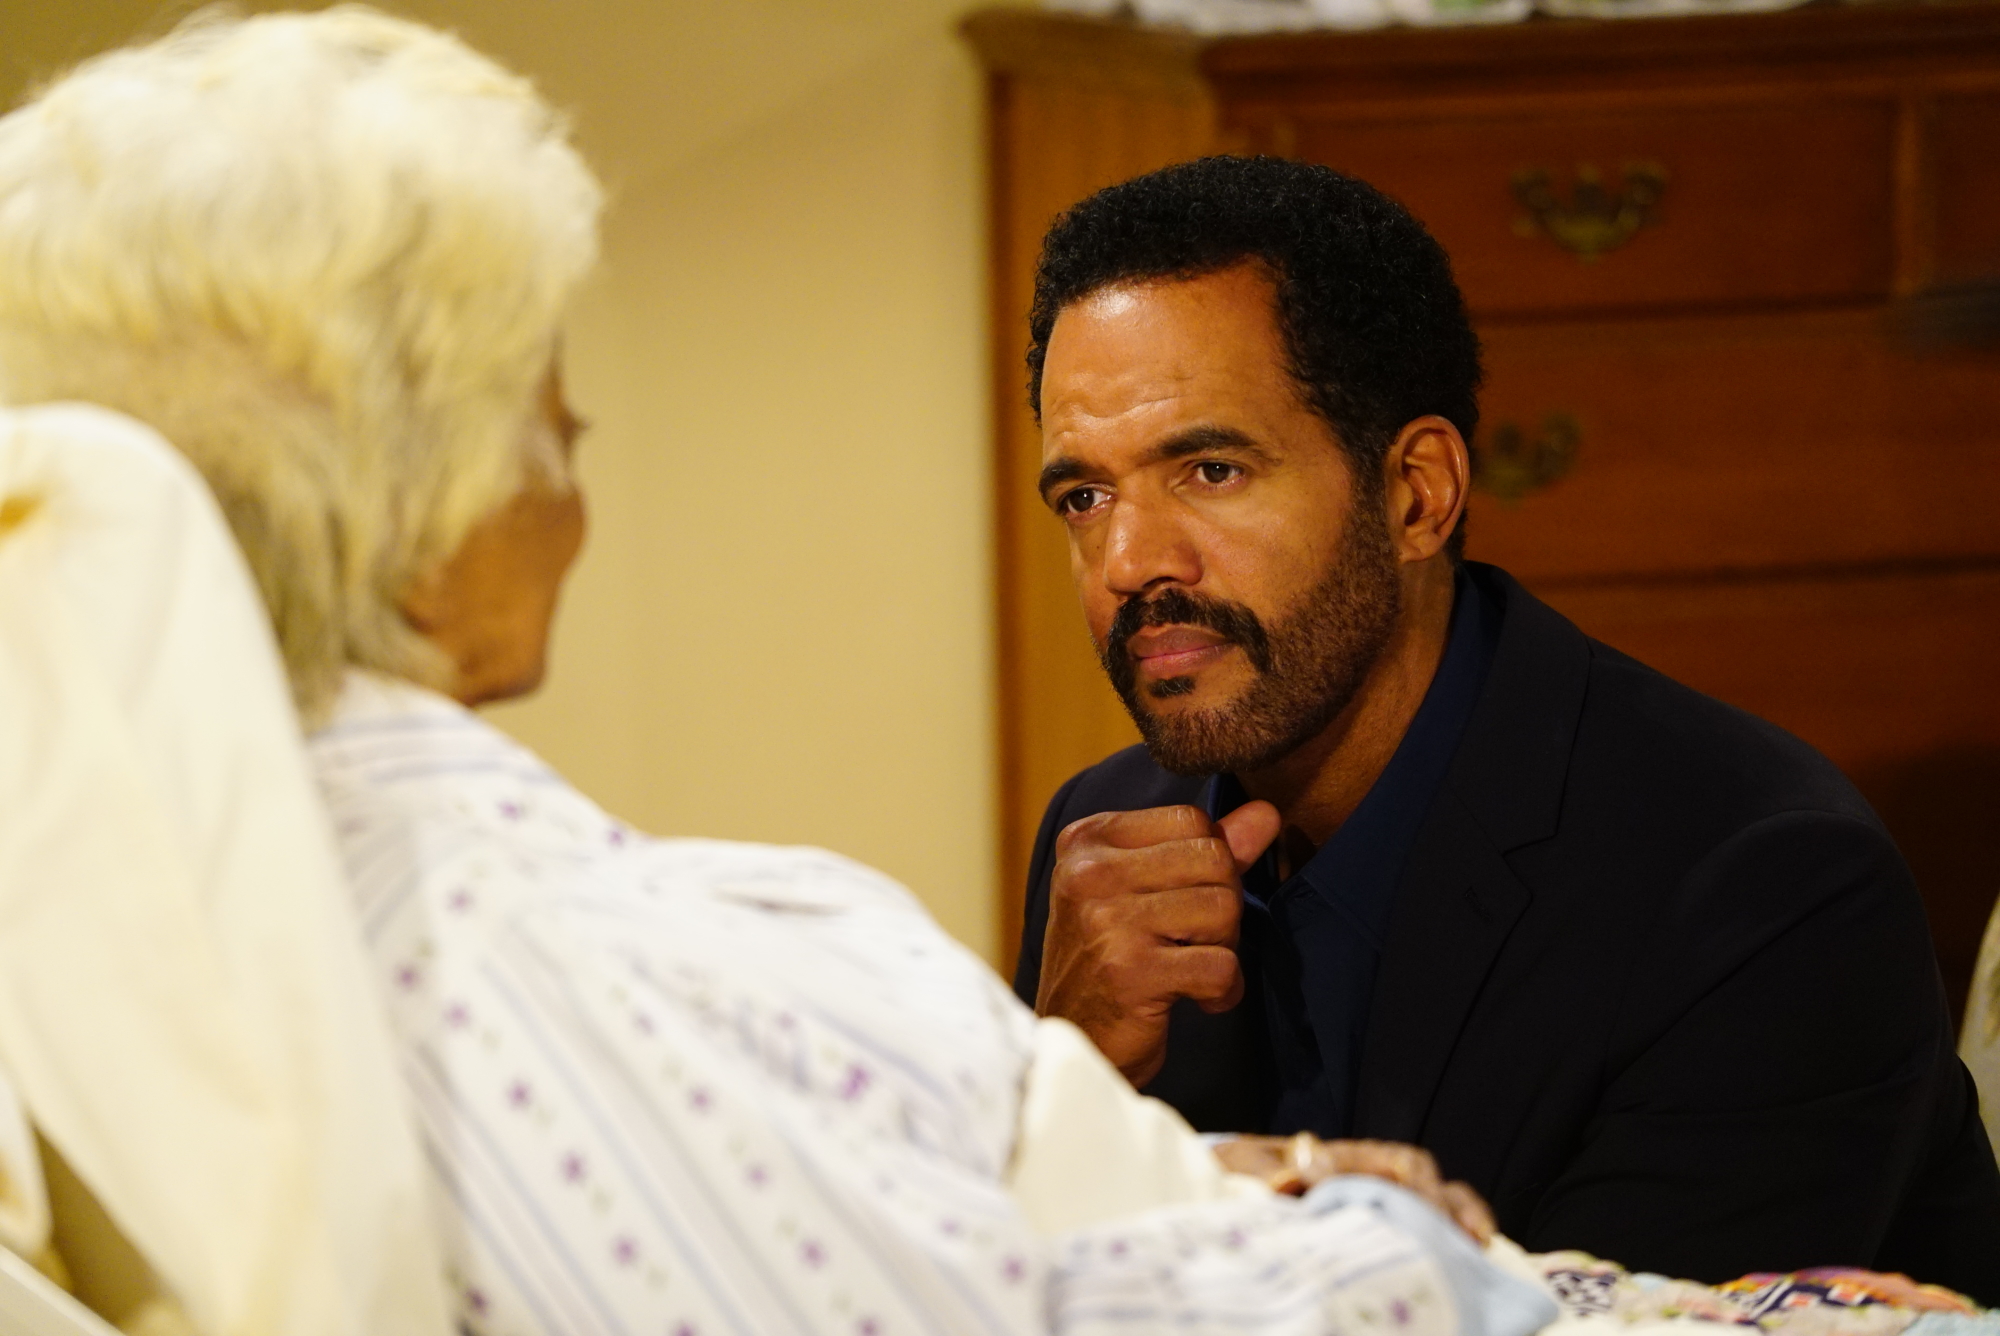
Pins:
x: 780, y: 627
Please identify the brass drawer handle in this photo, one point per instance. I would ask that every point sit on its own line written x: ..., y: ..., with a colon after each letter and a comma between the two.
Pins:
x: 1594, y: 220
x: 1510, y: 466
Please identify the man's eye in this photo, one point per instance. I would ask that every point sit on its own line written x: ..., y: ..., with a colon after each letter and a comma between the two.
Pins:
x: 1214, y: 472
x: 1078, y: 501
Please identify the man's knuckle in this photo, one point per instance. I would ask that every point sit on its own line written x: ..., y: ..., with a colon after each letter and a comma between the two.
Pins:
x: 1084, y: 830
x: 1207, y: 914
x: 1213, y: 851
x: 1222, y: 904
x: 1087, y: 876
x: 1073, y: 877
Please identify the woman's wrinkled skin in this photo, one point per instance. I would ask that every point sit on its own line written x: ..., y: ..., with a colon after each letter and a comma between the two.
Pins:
x: 490, y: 605
x: 1295, y: 1164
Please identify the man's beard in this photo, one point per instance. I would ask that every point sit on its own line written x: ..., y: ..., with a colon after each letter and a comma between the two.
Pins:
x: 1308, y: 666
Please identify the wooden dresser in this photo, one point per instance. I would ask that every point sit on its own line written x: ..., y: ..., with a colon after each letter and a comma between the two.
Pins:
x: 1683, y: 241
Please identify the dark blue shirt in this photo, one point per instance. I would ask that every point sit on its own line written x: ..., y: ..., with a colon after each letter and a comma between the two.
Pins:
x: 1314, y: 942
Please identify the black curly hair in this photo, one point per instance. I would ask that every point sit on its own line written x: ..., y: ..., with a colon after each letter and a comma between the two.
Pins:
x: 1372, y: 321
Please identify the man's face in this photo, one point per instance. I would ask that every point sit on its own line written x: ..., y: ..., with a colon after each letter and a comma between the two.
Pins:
x: 1238, y: 579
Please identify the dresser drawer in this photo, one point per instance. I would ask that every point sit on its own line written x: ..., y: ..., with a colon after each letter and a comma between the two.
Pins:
x: 1729, y: 443
x: 1963, y: 144
x: 1874, y: 669
x: 1742, y: 205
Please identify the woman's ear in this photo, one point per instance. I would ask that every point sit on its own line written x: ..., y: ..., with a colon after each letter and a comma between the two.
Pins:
x: 424, y: 602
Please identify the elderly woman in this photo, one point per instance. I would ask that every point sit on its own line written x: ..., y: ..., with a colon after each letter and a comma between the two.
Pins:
x: 666, y: 1086
x: 663, y: 1086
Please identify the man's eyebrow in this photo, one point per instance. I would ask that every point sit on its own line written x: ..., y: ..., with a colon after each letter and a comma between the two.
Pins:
x: 1200, y: 440
x: 1063, y: 468
x: 1194, y: 441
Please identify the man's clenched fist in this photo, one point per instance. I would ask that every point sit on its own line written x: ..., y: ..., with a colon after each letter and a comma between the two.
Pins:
x: 1143, y: 911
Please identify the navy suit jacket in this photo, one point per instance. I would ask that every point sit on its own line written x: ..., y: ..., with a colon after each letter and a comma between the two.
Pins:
x: 1657, y: 983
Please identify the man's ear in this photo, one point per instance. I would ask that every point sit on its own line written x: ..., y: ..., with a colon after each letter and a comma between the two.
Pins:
x: 1428, y: 474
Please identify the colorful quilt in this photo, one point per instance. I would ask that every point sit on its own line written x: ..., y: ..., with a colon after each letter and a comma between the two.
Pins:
x: 1823, y: 1301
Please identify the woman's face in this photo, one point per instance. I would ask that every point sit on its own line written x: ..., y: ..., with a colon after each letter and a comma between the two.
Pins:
x: 489, y: 606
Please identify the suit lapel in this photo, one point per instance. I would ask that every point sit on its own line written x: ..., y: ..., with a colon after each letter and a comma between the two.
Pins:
x: 1456, y: 904
x: 1458, y: 899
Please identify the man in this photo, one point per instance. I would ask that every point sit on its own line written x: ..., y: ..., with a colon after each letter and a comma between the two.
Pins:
x: 1407, y: 856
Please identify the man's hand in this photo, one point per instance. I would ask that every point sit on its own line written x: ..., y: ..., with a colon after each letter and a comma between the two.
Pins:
x: 1143, y: 911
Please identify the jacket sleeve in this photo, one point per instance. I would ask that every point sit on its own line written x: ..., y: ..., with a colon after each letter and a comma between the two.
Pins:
x: 1780, y: 1083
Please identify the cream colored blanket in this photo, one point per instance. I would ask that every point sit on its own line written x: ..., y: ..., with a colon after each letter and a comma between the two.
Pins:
x: 183, y: 1009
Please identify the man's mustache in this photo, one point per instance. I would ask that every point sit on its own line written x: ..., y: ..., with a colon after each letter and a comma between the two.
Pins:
x: 1178, y: 607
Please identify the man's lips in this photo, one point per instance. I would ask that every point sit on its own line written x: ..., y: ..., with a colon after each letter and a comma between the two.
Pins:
x: 1175, y: 651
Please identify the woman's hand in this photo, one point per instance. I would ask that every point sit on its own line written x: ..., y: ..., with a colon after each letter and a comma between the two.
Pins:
x: 1293, y: 1165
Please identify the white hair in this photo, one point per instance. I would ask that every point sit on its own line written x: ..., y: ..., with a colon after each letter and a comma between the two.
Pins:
x: 323, y: 254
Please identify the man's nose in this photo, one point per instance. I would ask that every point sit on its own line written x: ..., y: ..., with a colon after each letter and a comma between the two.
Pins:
x: 1144, y: 547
